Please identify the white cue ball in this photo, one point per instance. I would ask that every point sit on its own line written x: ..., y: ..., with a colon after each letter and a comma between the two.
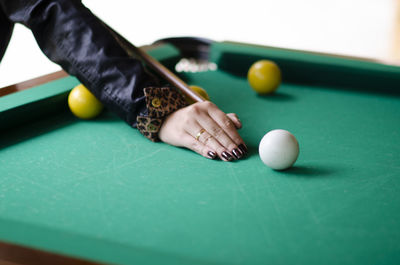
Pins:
x: 279, y: 149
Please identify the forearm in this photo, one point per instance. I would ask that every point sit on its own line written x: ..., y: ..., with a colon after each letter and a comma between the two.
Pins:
x: 71, y: 36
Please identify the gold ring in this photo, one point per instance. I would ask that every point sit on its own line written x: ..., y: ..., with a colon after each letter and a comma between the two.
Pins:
x: 199, y: 133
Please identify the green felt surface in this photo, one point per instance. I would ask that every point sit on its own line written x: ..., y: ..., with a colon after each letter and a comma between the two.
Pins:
x: 27, y: 105
x: 98, y: 189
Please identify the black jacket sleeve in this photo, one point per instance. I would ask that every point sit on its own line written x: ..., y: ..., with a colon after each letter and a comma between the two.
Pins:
x: 71, y: 36
x: 6, y: 28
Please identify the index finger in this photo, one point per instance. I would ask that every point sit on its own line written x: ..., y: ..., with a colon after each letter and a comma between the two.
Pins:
x: 227, y: 125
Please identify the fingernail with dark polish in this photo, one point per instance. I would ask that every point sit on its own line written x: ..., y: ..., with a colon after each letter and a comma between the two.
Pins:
x: 227, y: 156
x: 243, y: 148
x: 212, y: 154
x: 237, y: 153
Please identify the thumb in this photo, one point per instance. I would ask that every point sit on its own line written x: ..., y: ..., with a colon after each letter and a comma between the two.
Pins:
x: 234, y: 118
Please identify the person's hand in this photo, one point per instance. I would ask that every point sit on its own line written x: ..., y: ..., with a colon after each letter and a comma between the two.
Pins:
x: 205, y: 129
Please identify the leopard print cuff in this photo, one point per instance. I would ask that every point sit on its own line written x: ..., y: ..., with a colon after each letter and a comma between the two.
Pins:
x: 160, y: 103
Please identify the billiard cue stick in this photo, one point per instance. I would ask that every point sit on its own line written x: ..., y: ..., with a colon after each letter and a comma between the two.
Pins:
x: 156, y: 66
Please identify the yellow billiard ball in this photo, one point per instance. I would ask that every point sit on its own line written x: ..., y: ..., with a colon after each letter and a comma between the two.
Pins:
x: 83, y: 104
x: 199, y: 91
x: 264, y: 77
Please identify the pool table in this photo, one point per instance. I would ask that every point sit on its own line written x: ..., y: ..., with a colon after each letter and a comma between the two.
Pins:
x: 99, y: 192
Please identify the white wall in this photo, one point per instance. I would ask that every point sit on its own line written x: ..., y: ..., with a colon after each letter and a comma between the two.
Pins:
x: 351, y: 27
